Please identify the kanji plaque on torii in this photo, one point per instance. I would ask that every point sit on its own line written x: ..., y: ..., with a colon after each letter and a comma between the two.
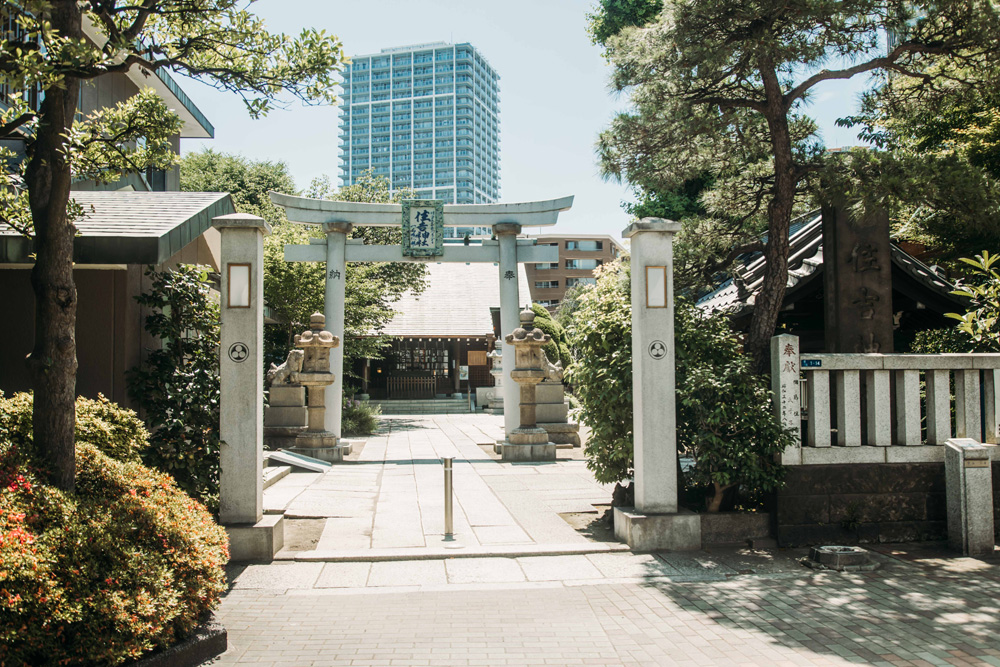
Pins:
x: 423, y: 227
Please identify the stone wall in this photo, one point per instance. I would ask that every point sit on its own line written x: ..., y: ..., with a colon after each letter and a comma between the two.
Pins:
x: 852, y: 504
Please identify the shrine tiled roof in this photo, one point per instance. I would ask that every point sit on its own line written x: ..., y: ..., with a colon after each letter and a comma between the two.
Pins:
x: 456, y: 302
x: 130, y: 227
x: 805, y: 262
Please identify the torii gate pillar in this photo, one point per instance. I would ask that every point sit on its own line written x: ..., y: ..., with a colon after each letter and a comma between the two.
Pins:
x: 333, y: 309
x: 506, y: 233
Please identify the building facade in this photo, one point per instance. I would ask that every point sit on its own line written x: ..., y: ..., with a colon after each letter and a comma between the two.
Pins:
x: 426, y: 117
x: 579, y: 256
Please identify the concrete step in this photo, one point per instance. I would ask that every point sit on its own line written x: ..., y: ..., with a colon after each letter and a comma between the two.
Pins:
x: 274, y: 473
x: 455, y: 550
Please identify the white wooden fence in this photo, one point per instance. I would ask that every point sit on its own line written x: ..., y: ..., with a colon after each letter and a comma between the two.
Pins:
x: 893, y: 408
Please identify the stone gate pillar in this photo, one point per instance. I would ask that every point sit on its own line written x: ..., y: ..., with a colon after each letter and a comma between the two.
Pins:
x: 506, y: 233
x: 655, y: 521
x: 252, y: 535
x: 333, y: 310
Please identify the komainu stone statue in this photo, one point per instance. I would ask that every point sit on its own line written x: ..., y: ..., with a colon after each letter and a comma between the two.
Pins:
x: 282, y: 375
x: 553, y: 371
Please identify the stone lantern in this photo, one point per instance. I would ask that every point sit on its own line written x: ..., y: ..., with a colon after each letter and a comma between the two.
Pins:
x: 495, y: 405
x: 315, y: 375
x: 528, y: 442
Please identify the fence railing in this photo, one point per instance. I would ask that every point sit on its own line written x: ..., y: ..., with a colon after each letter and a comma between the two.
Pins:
x: 883, y: 407
x: 412, y: 387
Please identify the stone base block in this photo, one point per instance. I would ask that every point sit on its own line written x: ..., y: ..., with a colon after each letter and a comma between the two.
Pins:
x: 551, y: 413
x: 658, y: 532
x: 509, y: 451
x: 285, y: 416
x: 528, y: 436
x: 330, y: 453
x: 550, y: 392
x: 286, y: 396
x: 563, y: 434
x: 498, y: 410
x: 281, y: 437
x: 256, y: 542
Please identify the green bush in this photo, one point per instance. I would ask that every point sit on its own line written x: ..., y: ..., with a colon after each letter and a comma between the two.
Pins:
x: 359, y: 417
x: 178, y: 384
x: 127, y: 564
x: 556, y: 349
x: 941, y: 341
x: 114, y: 430
x: 725, y: 420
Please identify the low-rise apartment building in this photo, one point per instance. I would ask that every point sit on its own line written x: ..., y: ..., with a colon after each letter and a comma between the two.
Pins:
x: 579, y: 255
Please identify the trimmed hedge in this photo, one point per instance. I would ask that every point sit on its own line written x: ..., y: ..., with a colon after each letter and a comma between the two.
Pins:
x: 127, y: 564
x: 116, y: 431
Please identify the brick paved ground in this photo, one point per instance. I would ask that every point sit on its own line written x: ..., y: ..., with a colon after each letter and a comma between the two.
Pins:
x: 694, y: 610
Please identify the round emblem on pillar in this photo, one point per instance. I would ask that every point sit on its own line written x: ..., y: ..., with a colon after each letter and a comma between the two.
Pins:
x: 239, y: 352
x: 657, y: 349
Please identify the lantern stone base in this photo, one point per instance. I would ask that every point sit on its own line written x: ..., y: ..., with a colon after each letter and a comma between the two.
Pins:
x: 563, y: 433
x: 257, y: 542
x: 322, y: 445
x: 655, y: 532
x: 527, y: 444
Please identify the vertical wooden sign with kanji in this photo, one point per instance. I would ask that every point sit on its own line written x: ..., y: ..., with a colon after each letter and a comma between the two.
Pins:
x: 857, y: 268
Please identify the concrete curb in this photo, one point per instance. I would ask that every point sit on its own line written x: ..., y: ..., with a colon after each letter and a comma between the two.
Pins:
x: 439, y: 553
x: 206, y: 642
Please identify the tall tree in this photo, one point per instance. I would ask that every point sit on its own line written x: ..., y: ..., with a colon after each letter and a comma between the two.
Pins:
x: 719, y: 87
x: 218, y: 41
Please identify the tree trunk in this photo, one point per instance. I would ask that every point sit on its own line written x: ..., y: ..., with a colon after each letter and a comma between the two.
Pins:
x: 715, y: 502
x: 52, y: 361
x: 779, y: 210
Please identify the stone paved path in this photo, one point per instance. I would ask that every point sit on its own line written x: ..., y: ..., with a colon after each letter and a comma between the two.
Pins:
x: 391, y: 497
x: 614, y: 609
x: 377, y: 589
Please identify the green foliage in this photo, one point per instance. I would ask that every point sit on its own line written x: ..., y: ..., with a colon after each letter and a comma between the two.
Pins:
x: 248, y: 181
x: 601, y: 336
x: 610, y: 17
x: 981, y: 324
x: 556, y: 349
x: 115, y: 431
x: 722, y: 87
x: 177, y: 385
x: 940, y: 341
x: 725, y: 420
x: 359, y: 417
x: 127, y: 564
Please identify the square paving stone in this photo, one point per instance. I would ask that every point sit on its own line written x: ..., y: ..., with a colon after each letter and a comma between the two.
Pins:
x: 343, y: 575
x: 407, y: 573
x: 279, y: 576
x: 558, y: 568
x: 483, y: 570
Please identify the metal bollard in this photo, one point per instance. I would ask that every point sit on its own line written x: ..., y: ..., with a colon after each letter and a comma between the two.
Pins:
x: 448, y: 512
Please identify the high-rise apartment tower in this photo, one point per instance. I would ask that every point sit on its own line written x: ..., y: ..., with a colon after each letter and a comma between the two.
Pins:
x: 426, y: 117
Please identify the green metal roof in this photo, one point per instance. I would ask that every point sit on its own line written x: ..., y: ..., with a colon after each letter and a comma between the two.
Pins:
x: 130, y: 227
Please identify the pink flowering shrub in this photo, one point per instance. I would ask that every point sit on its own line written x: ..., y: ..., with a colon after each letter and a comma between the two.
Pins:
x: 127, y: 564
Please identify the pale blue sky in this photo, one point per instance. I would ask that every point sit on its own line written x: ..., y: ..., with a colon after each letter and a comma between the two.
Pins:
x: 554, y: 97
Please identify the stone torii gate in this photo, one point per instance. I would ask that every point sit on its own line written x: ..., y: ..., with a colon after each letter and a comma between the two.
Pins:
x: 422, y: 222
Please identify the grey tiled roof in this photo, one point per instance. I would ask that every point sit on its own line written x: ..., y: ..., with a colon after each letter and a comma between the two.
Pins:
x: 456, y: 302
x: 805, y: 263
x: 131, y: 227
